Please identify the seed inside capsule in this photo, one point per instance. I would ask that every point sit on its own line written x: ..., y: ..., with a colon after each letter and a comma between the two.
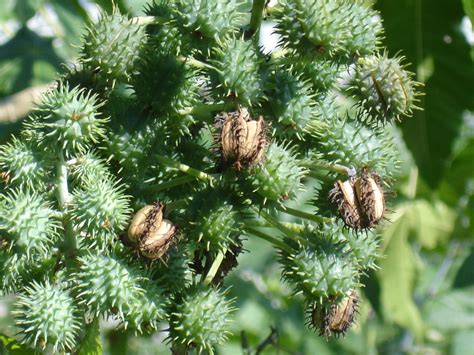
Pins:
x: 157, y: 243
x: 145, y: 221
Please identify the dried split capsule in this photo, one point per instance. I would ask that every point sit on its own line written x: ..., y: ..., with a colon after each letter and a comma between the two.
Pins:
x: 360, y: 200
x: 335, y: 317
x: 151, y: 232
x: 370, y: 196
x: 242, y: 140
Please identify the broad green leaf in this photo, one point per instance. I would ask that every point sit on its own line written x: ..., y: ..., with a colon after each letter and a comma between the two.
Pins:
x: 451, y: 311
x: 72, y: 18
x: 92, y: 343
x: 23, y: 57
x: 26, y: 9
x: 397, y: 277
x: 6, y: 9
x: 469, y: 9
x: 427, y: 33
x: 10, y: 346
x: 465, y: 275
x: 462, y: 343
x: 433, y: 222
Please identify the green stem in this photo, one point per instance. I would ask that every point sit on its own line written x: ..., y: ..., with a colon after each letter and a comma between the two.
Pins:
x: 148, y: 20
x: 336, y: 168
x: 304, y: 215
x: 203, y: 109
x: 64, y: 198
x: 185, y: 169
x: 256, y: 18
x: 275, y: 241
x: 281, y: 227
x: 214, y: 267
x: 195, y: 63
x: 169, y: 184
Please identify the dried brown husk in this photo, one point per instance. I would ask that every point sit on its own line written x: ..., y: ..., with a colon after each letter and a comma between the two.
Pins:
x: 335, y: 317
x: 370, y: 197
x: 242, y: 140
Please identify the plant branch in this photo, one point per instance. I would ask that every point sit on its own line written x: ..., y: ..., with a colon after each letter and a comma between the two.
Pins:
x: 185, y: 169
x: 304, y: 215
x: 336, y: 168
x: 214, y: 267
x: 64, y: 198
x: 256, y: 18
x: 275, y: 241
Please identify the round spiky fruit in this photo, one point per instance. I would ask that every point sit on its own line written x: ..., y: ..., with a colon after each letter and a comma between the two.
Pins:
x: 29, y: 221
x: 364, y: 26
x: 293, y: 102
x: 48, y: 315
x: 351, y: 143
x: 100, y: 209
x: 165, y: 85
x: 238, y: 70
x: 107, y: 284
x: 312, y: 25
x: 23, y: 165
x: 321, y: 73
x: 200, y: 319
x: 279, y: 176
x: 214, y: 19
x: 112, y: 46
x: 384, y: 89
x: 67, y: 119
x: 320, y: 268
x: 176, y: 274
x: 214, y: 227
x: 334, y: 316
x: 89, y: 167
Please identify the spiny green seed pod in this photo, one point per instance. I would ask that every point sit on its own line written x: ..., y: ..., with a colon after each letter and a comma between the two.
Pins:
x: 312, y: 25
x: 176, y: 274
x: 319, y: 269
x: 364, y: 248
x: 238, y: 70
x: 106, y: 284
x: 384, y: 89
x: 67, y: 119
x: 293, y: 102
x: 112, y: 46
x: 48, y: 315
x: 100, y: 209
x: 319, y: 72
x: 334, y: 316
x: 279, y: 176
x: 200, y: 319
x: 18, y: 269
x: 214, y: 19
x: 364, y: 26
x: 24, y: 165
x: 351, y: 143
x: 214, y: 227
x: 164, y: 84
x: 88, y: 167
x: 29, y: 221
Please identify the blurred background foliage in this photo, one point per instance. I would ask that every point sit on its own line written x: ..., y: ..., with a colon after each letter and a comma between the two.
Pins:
x: 421, y: 301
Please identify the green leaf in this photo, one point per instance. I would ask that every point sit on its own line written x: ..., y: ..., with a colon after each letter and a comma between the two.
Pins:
x: 427, y: 33
x: 451, y: 311
x: 92, y: 342
x: 465, y: 276
x: 26, y: 9
x: 397, y: 277
x: 6, y: 9
x: 469, y: 9
x: 462, y: 343
x: 26, y: 60
x: 9, y: 346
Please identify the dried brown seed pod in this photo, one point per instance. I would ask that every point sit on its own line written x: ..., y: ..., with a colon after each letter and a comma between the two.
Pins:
x: 343, y: 195
x: 370, y: 196
x: 145, y: 221
x: 150, y: 232
x: 242, y: 140
x: 335, y: 317
x: 156, y: 244
x: 360, y: 200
